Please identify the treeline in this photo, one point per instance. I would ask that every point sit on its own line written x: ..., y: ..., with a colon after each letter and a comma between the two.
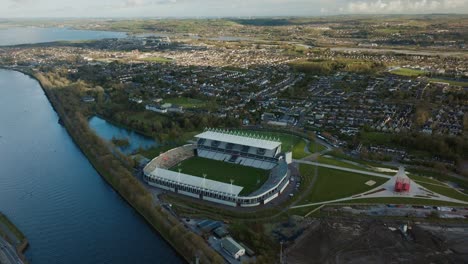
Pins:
x: 447, y: 147
x: 323, y: 67
x: 453, y: 148
x: 115, y: 169
x: 170, y: 127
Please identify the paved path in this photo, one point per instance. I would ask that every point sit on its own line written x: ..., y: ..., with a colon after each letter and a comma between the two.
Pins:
x: 376, y: 174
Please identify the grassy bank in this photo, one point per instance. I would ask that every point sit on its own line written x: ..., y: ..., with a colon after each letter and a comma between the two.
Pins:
x: 22, y: 242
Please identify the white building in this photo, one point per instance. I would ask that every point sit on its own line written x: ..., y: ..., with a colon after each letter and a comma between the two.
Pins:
x: 232, y: 247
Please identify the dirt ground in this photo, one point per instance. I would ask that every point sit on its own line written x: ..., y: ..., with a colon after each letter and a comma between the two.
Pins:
x: 371, y: 241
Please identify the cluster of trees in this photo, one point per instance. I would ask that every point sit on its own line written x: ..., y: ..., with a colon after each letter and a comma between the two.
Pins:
x: 323, y: 67
x: 453, y: 148
x: 115, y: 169
x: 448, y: 147
x: 169, y: 128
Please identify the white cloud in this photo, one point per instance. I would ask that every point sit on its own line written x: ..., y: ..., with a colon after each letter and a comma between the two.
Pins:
x: 143, y: 3
x: 405, y: 6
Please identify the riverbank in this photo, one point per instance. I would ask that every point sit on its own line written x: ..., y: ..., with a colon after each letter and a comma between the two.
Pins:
x: 116, y: 171
x: 14, y: 236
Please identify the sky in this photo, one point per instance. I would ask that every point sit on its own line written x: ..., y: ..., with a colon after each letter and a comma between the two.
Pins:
x: 222, y: 8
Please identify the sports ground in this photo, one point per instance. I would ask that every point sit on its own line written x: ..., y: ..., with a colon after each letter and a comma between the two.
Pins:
x: 249, y: 178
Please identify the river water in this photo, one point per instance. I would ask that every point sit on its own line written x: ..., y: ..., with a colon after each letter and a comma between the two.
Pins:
x: 53, y: 194
x: 31, y: 35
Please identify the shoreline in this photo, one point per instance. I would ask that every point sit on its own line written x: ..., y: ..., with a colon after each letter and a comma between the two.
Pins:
x: 23, y: 243
x: 163, y: 232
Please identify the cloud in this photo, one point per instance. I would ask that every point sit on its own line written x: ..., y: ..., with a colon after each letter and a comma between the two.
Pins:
x: 143, y: 3
x: 405, y: 6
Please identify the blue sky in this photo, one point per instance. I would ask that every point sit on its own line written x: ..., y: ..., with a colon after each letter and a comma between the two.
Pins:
x: 202, y: 8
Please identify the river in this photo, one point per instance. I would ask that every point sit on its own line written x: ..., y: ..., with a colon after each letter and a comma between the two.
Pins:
x: 53, y: 194
x: 31, y: 35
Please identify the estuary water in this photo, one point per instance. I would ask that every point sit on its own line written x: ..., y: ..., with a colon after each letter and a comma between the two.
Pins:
x: 32, y: 35
x: 53, y: 194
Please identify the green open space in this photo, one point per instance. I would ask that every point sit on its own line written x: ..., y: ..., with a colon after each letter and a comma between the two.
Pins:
x: 419, y: 179
x: 451, y: 82
x: 186, y: 102
x: 377, y: 138
x: 398, y: 200
x: 316, y: 147
x: 440, y: 176
x: 249, y: 178
x: 299, y: 151
x: 340, y: 163
x: 408, y: 72
x: 445, y: 190
x: 335, y: 184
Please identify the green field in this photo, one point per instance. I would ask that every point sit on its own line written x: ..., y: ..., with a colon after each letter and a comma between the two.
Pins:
x: 398, y: 200
x: 299, y: 152
x: 377, y: 138
x: 408, y: 72
x: 334, y: 184
x: 341, y: 163
x: 447, y: 191
x: 456, y: 83
x: 440, y: 176
x: 249, y: 178
x: 418, y: 179
x: 185, y: 102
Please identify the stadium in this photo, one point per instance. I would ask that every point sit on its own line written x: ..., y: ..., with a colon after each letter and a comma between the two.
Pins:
x: 226, y: 167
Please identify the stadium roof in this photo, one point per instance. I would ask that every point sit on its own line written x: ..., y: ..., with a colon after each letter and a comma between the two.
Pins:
x: 213, y: 186
x: 239, y: 139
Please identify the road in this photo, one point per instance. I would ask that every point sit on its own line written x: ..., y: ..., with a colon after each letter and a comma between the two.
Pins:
x: 8, y: 254
x: 402, y: 51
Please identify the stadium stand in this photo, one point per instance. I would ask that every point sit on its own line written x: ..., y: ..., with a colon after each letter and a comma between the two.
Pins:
x: 252, y: 151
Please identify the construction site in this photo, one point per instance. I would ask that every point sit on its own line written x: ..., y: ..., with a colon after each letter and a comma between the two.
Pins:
x: 352, y: 240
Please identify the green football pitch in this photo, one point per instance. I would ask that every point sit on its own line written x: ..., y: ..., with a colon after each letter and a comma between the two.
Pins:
x: 249, y: 178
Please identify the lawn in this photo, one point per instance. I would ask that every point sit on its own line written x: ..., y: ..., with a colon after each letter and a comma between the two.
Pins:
x: 298, y: 150
x: 441, y: 177
x: 451, y: 82
x: 447, y: 191
x: 185, y: 102
x: 249, y: 178
x: 377, y: 138
x: 334, y: 184
x: 398, y: 200
x: 418, y: 179
x: 408, y: 72
x: 340, y: 163
x: 316, y: 147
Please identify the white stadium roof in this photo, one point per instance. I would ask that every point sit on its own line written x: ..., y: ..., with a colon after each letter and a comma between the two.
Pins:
x: 212, y: 186
x: 239, y: 139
